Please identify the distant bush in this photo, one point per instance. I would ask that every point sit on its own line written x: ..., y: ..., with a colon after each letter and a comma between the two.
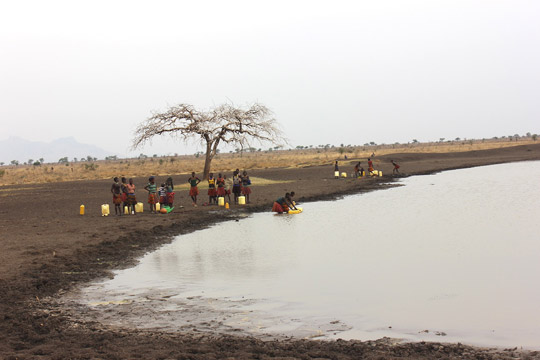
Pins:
x: 90, y: 167
x: 2, y: 173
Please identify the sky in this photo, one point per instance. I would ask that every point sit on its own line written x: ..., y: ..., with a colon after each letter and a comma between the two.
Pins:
x: 335, y: 72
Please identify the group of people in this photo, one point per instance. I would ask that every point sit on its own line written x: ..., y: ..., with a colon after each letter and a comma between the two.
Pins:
x: 124, y: 192
x: 359, y: 170
x: 238, y: 185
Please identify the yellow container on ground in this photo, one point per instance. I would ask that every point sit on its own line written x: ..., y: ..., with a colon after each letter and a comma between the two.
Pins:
x: 126, y: 210
x: 105, y: 210
x: 139, y: 207
x: 81, y: 210
x: 336, y: 173
x: 297, y: 211
x: 344, y: 174
x: 221, y: 201
x: 158, y: 207
x: 241, y: 200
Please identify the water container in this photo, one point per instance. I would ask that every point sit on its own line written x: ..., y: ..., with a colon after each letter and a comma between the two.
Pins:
x: 344, y: 174
x: 158, y: 207
x: 139, y: 207
x: 336, y: 174
x: 105, y: 210
x: 81, y: 210
x: 226, y: 205
x: 126, y: 210
x: 380, y: 173
x: 241, y: 200
x: 221, y: 201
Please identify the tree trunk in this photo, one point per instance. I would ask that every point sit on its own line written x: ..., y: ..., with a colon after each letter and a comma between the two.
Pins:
x: 208, y: 160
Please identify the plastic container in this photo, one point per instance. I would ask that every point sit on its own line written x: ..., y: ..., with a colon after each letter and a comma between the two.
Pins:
x: 336, y: 174
x: 241, y: 200
x: 221, y: 201
x: 380, y: 173
x: 226, y: 205
x: 105, y: 210
x: 343, y: 174
x: 297, y: 211
x: 158, y: 207
x: 139, y: 207
x: 81, y: 210
x: 126, y: 210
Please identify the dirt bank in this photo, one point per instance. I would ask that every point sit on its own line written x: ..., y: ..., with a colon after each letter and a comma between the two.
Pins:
x: 47, y: 248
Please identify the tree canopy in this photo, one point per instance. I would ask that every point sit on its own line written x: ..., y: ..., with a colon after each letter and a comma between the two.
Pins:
x: 224, y: 124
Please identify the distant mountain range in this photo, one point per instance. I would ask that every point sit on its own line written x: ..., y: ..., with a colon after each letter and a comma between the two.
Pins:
x: 15, y: 148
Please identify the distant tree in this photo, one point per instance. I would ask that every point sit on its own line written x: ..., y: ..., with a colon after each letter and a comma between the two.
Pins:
x: 30, y: 161
x: 534, y: 137
x: 1, y: 163
x: 223, y: 124
x: 528, y: 134
x: 89, y: 158
x: 415, y: 141
x: 63, y: 160
x: 15, y: 162
x: 441, y: 139
x: 41, y: 160
x: 37, y: 163
x: 373, y: 143
x: 74, y: 159
x: 457, y: 139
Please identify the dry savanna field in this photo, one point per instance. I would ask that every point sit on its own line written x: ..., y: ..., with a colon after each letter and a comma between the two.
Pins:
x: 227, y: 162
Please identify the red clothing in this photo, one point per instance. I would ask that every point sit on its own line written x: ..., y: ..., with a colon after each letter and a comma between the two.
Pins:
x: 194, y: 191
x: 221, y: 191
x: 212, y: 192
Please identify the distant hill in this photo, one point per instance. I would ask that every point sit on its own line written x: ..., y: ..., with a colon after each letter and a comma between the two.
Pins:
x: 15, y: 148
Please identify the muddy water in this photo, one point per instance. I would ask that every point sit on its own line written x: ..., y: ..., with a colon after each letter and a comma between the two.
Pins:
x: 447, y: 257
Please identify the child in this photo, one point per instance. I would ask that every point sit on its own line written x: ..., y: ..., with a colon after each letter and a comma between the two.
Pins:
x: 169, y: 188
x: 228, y: 187
x: 237, y: 187
x: 370, y: 166
x: 194, y: 191
x: 151, y: 187
x: 336, y: 170
x: 123, y: 186
x: 131, y: 199
x: 221, y: 191
x: 163, y: 195
x: 212, y: 192
x: 116, y: 190
x: 246, y: 182
x: 396, y: 168
x: 357, y: 172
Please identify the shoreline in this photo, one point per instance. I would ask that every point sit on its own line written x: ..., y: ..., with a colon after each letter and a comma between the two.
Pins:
x: 52, y: 267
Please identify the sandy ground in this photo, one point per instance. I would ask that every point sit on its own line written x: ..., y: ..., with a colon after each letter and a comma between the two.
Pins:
x: 48, y: 249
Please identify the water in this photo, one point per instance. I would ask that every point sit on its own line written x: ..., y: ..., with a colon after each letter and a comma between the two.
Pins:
x: 448, y: 257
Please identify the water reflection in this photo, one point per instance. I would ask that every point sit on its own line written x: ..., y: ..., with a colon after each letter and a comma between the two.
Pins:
x: 453, y: 253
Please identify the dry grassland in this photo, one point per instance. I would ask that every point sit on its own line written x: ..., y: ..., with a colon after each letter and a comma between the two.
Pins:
x: 226, y: 163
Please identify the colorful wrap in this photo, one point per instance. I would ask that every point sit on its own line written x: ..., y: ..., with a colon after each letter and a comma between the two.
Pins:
x: 131, y: 199
x: 152, y: 198
x: 170, y: 198
x: 117, y: 199
x: 124, y: 198
x: 212, y: 192
x: 163, y: 199
x: 280, y: 208
x: 221, y: 191
x: 194, y: 191
x: 246, y: 190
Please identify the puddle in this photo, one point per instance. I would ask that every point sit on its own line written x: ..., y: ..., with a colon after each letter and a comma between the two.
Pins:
x: 447, y: 257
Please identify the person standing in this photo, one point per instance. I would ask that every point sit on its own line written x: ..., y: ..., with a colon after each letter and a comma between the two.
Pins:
x: 116, y: 191
x: 336, y: 170
x: 151, y: 187
x: 194, y: 191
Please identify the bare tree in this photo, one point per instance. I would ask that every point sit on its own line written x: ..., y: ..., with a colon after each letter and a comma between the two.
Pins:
x: 224, y: 124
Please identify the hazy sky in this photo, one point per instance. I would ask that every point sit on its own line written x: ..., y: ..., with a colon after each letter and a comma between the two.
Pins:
x: 332, y: 72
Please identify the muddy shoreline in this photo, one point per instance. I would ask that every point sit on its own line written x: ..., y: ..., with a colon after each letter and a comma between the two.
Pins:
x: 48, y: 249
